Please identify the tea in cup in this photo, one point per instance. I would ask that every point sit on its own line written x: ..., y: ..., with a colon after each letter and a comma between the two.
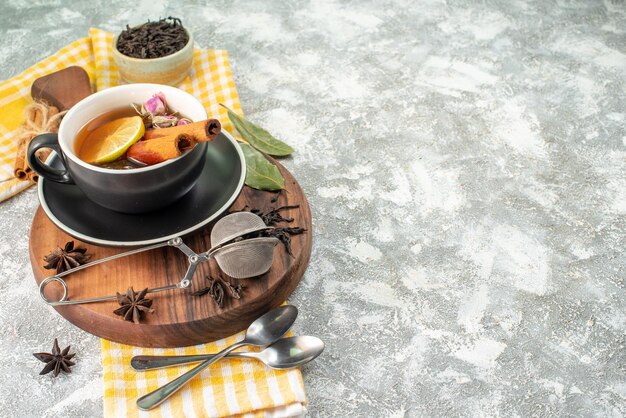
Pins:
x: 117, y: 183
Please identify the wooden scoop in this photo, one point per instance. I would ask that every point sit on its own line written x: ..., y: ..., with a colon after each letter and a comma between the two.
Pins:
x: 162, y: 144
x: 63, y: 88
x: 60, y: 90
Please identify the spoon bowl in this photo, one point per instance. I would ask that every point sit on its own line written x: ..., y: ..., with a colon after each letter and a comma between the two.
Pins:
x: 136, y: 161
x: 268, y: 328
x: 288, y: 353
x: 285, y: 353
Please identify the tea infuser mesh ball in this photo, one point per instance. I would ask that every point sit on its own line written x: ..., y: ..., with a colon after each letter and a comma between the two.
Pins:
x: 246, y: 258
x: 235, y: 225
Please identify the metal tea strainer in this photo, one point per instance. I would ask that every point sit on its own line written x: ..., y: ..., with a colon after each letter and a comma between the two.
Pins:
x: 242, y: 258
x: 238, y: 256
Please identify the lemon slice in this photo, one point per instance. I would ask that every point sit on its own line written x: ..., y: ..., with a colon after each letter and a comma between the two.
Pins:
x: 110, y: 141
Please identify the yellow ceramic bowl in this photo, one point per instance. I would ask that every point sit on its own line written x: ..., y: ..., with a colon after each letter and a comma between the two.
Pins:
x: 171, y: 69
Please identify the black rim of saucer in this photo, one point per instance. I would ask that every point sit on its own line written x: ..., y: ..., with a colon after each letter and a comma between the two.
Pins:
x: 232, y: 195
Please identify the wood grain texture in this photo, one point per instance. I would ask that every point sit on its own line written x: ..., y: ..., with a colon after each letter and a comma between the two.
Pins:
x: 180, y: 319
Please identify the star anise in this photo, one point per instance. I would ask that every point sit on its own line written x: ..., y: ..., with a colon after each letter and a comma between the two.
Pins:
x: 66, y: 258
x: 56, y: 361
x: 133, y: 305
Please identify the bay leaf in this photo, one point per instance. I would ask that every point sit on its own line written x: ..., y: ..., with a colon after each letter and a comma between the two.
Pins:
x: 260, y: 173
x: 258, y: 137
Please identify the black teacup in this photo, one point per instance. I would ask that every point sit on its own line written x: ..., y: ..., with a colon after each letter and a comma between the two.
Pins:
x: 135, y: 190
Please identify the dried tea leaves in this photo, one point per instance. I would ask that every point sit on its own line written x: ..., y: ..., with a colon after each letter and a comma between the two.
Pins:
x: 58, y: 361
x: 284, y: 235
x: 273, y: 217
x: 153, y: 39
x: 218, y: 288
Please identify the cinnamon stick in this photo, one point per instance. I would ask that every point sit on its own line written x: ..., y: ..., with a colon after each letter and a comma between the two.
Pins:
x: 206, y: 130
x: 163, y: 144
x: 33, y: 116
x: 20, y: 167
x: 160, y: 149
x: 33, y: 176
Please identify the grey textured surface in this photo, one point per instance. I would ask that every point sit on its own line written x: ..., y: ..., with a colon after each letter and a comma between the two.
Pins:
x: 465, y: 164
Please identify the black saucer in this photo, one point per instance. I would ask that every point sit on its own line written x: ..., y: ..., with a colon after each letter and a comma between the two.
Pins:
x: 217, y: 188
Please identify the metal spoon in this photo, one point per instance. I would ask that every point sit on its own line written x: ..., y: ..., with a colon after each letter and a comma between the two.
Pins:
x: 285, y: 353
x: 135, y: 161
x: 264, y: 331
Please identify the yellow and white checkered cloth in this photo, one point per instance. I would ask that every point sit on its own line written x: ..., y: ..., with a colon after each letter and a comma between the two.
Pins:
x: 243, y: 388
x: 240, y: 388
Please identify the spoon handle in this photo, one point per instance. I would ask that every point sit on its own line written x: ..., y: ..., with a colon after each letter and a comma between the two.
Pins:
x: 141, y: 363
x: 156, y: 397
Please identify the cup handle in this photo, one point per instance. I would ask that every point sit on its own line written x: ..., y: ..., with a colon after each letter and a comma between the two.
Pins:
x: 44, y: 170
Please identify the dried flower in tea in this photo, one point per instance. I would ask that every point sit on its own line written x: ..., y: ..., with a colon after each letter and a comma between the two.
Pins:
x: 164, y: 121
x: 65, y: 258
x: 156, y: 104
x: 56, y: 361
x: 156, y: 114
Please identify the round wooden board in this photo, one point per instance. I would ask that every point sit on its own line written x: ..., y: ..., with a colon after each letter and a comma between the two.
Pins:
x: 180, y: 319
